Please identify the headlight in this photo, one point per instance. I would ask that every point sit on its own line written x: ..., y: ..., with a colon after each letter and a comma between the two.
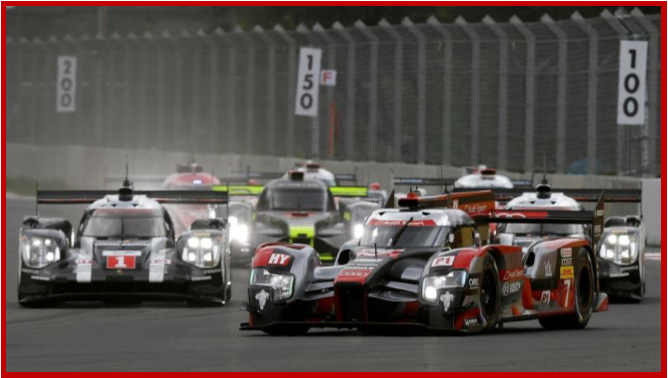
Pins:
x: 201, y: 252
x: 39, y: 252
x: 282, y: 284
x: 358, y: 231
x: 620, y: 249
x: 431, y: 285
x: 238, y: 231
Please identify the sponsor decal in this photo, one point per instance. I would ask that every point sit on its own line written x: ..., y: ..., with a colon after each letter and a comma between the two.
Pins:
x: 447, y: 299
x: 474, y: 283
x: 513, y: 274
x: 546, y: 297
x: 261, y: 298
x: 39, y: 278
x: 443, y: 261
x: 630, y: 269
x: 511, y: 288
x: 200, y: 279
x: 399, y: 223
x: 548, y: 269
x: 121, y: 253
x: 567, y: 261
x: 476, y: 208
x: 567, y: 252
x: 567, y: 272
x: 279, y: 259
x: 213, y: 271
x: 29, y: 271
x: 471, y: 321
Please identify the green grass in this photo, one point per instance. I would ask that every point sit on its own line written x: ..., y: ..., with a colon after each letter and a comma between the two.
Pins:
x: 26, y: 187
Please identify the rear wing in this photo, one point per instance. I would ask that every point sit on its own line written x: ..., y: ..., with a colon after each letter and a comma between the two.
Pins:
x: 472, y: 203
x: 411, y: 181
x: 168, y: 197
x: 240, y: 190
x: 349, y: 191
x: 580, y: 195
x: 595, y: 219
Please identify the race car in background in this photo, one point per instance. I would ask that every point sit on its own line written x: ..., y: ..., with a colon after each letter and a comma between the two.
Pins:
x: 125, y: 248
x: 299, y: 210
x: 621, y: 250
x: 425, y: 266
x: 487, y: 178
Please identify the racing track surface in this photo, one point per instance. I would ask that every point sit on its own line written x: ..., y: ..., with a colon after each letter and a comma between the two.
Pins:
x: 174, y: 337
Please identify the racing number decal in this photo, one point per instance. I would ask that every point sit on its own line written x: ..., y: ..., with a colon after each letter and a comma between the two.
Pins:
x: 308, y: 84
x: 121, y: 262
x: 66, y: 89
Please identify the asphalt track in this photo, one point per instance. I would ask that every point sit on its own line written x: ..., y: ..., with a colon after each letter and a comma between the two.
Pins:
x: 174, y: 337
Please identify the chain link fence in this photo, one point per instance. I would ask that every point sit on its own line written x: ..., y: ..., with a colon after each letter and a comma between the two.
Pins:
x: 510, y: 95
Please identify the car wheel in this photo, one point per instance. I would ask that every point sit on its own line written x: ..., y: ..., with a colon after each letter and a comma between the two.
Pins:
x: 490, y: 298
x: 584, y: 298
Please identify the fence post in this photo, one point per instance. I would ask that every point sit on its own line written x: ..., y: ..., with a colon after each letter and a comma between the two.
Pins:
x: 349, y: 127
x: 270, y: 132
x: 398, y: 88
x: 475, y: 89
x: 421, y: 90
x: 622, y: 34
x: 250, y: 89
x: 331, y: 64
x: 562, y: 70
x: 530, y: 99
x: 592, y: 97
x: 292, y: 87
x: 502, y: 137
x: 127, y: 91
x: 214, y: 93
x: 652, y: 129
x: 447, y: 88
x: 315, y: 121
x: 372, y: 136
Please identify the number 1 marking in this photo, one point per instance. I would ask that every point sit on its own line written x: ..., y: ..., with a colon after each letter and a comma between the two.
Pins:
x: 120, y: 262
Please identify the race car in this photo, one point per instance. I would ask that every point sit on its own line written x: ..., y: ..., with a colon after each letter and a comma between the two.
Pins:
x: 425, y: 266
x: 621, y: 250
x: 622, y: 258
x: 124, y: 249
x: 299, y: 210
x: 487, y: 178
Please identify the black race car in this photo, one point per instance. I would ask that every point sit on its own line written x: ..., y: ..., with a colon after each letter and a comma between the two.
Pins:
x: 299, y: 210
x: 425, y: 266
x: 124, y: 249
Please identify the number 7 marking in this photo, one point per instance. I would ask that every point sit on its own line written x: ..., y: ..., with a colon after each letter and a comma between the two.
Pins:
x: 568, y: 292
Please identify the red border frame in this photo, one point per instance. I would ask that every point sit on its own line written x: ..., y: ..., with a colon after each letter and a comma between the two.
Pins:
x: 333, y: 3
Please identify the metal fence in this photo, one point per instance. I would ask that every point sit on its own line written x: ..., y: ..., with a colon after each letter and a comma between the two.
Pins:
x: 507, y: 95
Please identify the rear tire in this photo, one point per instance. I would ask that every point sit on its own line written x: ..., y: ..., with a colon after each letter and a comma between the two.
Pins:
x: 584, y: 299
x: 490, y: 298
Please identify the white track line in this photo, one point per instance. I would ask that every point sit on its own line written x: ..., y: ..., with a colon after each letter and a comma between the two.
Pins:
x: 653, y: 256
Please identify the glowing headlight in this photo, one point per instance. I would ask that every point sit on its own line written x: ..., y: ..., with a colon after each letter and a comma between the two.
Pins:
x: 239, y: 232
x: 431, y: 285
x: 39, y: 252
x: 201, y: 252
x: 620, y: 249
x: 282, y: 285
x: 358, y: 231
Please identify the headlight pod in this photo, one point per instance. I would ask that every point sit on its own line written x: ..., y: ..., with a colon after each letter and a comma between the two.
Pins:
x: 203, y: 252
x: 238, y: 231
x: 282, y: 284
x: 38, y: 252
x: 431, y: 285
x: 621, y: 249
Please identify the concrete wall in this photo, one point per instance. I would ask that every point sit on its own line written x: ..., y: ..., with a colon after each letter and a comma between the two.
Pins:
x: 651, y: 209
x: 86, y: 168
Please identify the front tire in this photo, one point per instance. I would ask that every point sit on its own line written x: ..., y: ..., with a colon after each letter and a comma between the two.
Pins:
x: 490, y: 298
x: 584, y: 299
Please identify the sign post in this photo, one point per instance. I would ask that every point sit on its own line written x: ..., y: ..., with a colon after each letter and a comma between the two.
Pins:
x: 632, y: 83
x: 308, y: 83
x: 67, y: 84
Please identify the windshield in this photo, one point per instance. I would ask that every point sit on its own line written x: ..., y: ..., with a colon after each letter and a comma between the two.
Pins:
x: 299, y: 199
x: 411, y: 237
x: 119, y: 225
x: 542, y: 229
